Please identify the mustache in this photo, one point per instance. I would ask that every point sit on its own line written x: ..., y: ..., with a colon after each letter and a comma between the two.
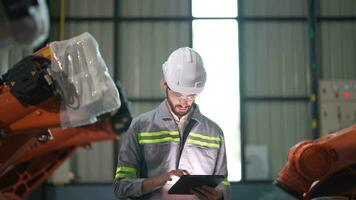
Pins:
x: 180, y: 106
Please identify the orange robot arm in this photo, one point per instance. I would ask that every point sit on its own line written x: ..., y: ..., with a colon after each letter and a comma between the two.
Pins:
x: 312, y: 162
x: 40, y: 159
x: 34, y: 160
x: 27, y: 96
x: 28, y: 106
x: 33, y: 100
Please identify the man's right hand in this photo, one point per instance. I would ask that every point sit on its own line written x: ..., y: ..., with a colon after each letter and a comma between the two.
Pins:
x: 153, y: 183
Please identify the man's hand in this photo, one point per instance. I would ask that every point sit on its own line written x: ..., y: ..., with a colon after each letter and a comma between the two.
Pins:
x: 153, y: 183
x: 162, y: 180
x: 207, y: 193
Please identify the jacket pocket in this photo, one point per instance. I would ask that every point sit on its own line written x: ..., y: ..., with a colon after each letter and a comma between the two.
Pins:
x: 202, y: 159
x: 158, y: 155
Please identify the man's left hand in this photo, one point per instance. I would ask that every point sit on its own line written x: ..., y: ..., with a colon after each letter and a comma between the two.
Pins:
x: 207, y: 193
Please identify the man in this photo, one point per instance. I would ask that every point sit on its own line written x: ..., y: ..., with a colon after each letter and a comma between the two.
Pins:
x: 174, y: 139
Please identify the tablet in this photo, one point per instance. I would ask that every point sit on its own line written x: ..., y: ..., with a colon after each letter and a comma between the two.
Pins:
x: 189, y: 182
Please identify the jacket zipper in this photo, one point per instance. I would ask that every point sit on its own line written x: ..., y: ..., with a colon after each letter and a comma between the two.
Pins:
x: 184, y: 137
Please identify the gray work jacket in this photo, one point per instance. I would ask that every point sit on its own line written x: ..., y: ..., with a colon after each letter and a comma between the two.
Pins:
x: 153, y: 146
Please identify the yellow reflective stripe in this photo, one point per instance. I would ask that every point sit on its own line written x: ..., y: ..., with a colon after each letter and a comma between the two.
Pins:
x: 152, y: 141
x: 204, y: 144
x: 126, y: 169
x: 226, y: 182
x: 126, y: 172
x: 121, y: 175
x: 158, y: 133
x: 205, y: 137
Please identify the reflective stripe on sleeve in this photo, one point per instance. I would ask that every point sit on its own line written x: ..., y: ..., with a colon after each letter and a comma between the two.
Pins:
x: 126, y: 169
x: 126, y: 172
x: 120, y: 175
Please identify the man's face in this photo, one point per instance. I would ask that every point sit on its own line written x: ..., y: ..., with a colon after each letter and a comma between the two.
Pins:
x: 179, y: 103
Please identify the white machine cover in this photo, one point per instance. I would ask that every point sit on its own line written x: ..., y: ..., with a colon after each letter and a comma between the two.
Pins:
x: 83, y: 81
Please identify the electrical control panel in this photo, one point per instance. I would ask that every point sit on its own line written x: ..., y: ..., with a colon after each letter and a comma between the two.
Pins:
x: 337, y: 105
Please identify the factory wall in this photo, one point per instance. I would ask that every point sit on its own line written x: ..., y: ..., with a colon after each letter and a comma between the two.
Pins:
x: 337, y: 40
x: 274, y: 80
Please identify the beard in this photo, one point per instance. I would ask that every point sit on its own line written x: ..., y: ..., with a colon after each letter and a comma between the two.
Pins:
x: 179, y: 109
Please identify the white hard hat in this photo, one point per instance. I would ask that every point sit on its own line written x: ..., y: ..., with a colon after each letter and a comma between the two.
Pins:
x: 184, y: 71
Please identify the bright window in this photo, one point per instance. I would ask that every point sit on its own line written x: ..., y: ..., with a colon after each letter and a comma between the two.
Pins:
x: 217, y: 42
x: 214, y: 8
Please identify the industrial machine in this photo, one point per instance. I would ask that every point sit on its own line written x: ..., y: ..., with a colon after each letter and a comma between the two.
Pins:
x: 43, y: 155
x: 322, y: 168
x: 53, y: 102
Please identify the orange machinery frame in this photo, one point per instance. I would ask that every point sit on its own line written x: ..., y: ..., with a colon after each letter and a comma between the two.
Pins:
x: 20, y: 124
x: 313, y: 164
x: 39, y: 160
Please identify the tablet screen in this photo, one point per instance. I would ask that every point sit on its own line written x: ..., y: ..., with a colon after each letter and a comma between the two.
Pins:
x: 189, y: 182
